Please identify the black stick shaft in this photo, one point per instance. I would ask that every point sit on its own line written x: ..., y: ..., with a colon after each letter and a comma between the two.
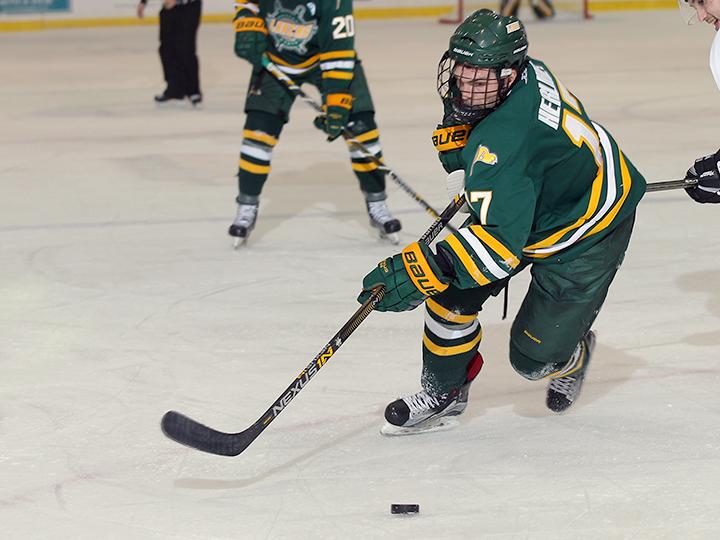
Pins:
x: 671, y: 184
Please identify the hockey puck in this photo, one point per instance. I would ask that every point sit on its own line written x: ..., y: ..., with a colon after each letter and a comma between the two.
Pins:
x: 404, y: 508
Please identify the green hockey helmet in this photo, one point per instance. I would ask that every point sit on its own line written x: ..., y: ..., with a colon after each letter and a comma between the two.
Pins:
x: 475, y: 73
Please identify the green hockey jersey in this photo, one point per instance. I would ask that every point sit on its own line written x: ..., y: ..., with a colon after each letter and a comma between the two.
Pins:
x: 304, y: 36
x: 543, y: 182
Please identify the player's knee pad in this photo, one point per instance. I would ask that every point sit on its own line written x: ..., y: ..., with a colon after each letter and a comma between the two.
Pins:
x: 527, y: 366
x: 271, y: 124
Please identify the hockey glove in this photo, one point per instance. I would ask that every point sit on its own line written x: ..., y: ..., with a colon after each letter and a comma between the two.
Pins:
x: 337, y: 113
x: 449, y: 141
x: 706, y: 170
x: 250, y: 38
x: 409, y: 277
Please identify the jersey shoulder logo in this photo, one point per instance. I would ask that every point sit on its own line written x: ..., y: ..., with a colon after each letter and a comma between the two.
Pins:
x: 290, y: 30
x: 484, y: 155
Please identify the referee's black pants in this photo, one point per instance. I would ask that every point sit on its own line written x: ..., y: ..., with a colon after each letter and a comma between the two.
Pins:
x: 178, y: 39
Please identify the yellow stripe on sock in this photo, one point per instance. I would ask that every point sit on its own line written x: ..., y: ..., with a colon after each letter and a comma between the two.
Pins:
x: 344, y: 75
x: 364, y: 167
x: 367, y: 136
x: 253, y: 168
x: 260, y: 137
x: 451, y: 351
x: 448, y: 315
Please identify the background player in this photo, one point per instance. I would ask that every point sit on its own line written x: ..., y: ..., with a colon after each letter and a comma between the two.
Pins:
x: 543, y: 9
x: 313, y: 42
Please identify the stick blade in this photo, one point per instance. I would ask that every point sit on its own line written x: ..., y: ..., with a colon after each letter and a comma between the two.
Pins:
x: 189, y: 432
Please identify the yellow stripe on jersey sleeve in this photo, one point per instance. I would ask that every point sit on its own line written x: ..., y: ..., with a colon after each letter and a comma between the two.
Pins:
x: 627, y: 185
x: 507, y: 256
x: 466, y: 260
x: 334, y: 55
x: 306, y: 64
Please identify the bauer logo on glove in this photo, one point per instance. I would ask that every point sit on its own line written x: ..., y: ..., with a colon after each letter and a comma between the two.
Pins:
x: 408, y: 278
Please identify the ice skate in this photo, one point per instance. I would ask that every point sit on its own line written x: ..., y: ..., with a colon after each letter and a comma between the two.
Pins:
x: 563, y: 391
x: 166, y: 100
x: 383, y: 221
x: 423, y: 412
x: 196, y: 100
x: 244, y: 223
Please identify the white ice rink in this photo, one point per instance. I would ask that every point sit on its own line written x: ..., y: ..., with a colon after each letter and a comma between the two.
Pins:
x: 121, y: 298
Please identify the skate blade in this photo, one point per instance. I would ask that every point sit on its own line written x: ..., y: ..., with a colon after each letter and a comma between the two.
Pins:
x: 393, y: 238
x: 239, y: 242
x: 443, y: 424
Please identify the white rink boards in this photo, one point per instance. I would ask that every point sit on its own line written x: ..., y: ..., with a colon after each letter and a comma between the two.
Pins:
x: 122, y: 298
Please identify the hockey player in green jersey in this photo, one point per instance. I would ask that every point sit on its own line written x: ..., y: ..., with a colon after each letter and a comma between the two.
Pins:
x: 312, y: 42
x: 546, y: 188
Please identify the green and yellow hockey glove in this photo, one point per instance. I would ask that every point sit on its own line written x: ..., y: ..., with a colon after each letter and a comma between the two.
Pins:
x: 409, y: 277
x: 449, y: 141
x: 250, y: 38
x: 336, y: 107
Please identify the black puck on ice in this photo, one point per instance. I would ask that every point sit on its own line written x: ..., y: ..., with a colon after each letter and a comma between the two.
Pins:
x: 404, y: 508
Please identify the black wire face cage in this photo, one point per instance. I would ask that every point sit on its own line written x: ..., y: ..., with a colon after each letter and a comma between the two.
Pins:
x: 471, y: 92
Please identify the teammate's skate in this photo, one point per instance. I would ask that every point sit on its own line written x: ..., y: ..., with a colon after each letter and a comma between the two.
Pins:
x: 244, y: 223
x: 383, y: 220
x: 563, y: 391
x: 424, y: 412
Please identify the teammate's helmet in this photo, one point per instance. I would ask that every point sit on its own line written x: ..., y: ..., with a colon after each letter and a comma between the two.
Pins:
x: 474, y: 73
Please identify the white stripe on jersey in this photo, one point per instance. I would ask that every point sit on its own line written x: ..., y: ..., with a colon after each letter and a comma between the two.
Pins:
x: 337, y: 64
x: 483, y: 253
x: 294, y: 71
x: 610, y: 197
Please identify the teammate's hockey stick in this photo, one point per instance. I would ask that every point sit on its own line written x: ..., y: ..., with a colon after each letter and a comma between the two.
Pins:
x: 276, y: 72
x: 191, y: 433
x: 671, y: 184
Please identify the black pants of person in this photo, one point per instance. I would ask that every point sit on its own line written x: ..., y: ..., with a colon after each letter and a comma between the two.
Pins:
x: 178, y: 38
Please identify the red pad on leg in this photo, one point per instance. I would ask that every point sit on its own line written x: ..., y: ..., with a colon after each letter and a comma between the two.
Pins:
x: 474, y: 367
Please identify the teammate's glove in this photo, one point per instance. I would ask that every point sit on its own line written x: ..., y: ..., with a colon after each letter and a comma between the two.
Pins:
x: 706, y: 170
x: 337, y: 108
x: 250, y: 38
x: 409, y: 277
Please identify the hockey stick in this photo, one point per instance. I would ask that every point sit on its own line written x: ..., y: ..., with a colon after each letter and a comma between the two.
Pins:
x: 191, y: 433
x: 276, y: 72
x: 671, y: 184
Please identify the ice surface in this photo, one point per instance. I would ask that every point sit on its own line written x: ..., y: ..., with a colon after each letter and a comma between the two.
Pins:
x: 122, y: 298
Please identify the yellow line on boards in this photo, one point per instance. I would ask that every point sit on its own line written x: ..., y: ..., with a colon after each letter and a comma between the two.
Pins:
x: 7, y: 25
